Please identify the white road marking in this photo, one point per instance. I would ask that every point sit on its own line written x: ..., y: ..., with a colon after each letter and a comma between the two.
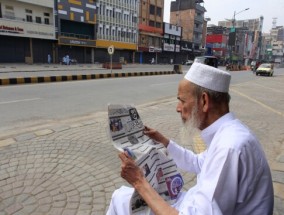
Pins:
x: 167, y: 83
x: 16, y: 101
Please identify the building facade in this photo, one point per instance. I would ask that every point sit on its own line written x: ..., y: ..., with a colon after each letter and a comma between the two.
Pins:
x: 150, y: 31
x: 216, y: 42
x: 244, y: 39
x: 32, y: 30
x: 189, y: 14
x: 76, y: 29
x: 171, y: 52
x: 277, y: 44
x: 117, y: 25
x: 27, y: 30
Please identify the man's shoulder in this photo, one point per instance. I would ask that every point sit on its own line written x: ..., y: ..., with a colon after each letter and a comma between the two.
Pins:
x: 235, y: 134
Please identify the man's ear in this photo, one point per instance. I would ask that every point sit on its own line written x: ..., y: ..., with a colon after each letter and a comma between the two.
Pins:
x: 205, y: 102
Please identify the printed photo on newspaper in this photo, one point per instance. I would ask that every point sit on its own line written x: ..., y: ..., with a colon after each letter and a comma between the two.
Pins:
x: 126, y: 132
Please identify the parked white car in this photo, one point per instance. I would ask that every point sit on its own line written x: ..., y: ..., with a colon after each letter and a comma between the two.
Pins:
x: 188, y: 62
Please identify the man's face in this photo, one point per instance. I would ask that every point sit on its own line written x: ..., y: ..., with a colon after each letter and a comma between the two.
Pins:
x: 187, y: 104
x: 188, y: 109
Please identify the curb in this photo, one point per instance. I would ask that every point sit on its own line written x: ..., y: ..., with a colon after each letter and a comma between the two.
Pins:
x: 45, y: 79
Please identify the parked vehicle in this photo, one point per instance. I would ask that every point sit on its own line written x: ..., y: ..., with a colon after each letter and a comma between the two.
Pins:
x: 265, y: 69
x: 188, y: 62
x: 208, y: 60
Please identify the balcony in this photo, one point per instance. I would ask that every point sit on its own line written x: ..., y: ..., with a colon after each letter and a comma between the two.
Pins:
x: 77, y: 36
x: 115, y: 38
x: 197, y: 40
x: 198, y: 30
x: 118, y: 22
x: 199, y: 19
x: 199, y: 8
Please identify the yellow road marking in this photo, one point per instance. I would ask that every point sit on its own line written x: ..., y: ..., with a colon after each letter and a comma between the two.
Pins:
x: 258, y: 102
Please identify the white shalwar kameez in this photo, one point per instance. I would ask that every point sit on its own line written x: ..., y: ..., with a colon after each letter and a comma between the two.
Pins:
x: 233, y: 177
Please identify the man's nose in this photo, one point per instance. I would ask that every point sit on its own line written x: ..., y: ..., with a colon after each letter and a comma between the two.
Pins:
x: 178, y: 109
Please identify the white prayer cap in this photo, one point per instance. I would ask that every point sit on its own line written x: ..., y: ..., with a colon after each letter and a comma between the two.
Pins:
x: 209, y: 77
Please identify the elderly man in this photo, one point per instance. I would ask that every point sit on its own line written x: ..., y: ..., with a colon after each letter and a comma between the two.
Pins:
x: 233, y: 176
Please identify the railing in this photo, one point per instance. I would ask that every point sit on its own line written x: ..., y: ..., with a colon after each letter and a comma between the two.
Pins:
x: 78, y: 36
x: 199, y: 8
x: 119, y: 22
x: 197, y: 40
x: 121, y: 4
x: 198, y: 30
x: 116, y: 38
x: 199, y: 19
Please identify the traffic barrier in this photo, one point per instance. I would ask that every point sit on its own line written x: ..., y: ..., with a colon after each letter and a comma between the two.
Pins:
x: 46, y: 79
x: 178, y: 68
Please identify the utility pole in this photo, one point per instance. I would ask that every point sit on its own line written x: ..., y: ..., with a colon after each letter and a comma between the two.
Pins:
x: 233, y: 31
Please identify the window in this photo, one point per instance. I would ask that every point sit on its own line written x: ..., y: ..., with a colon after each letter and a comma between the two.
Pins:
x: 159, y: 11
x: 46, y: 14
x: 29, y: 18
x: 158, y: 24
x: 152, y: 9
x: 151, y: 23
x: 38, y: 19
x: 8, y: 7
x: 46, y: 21
x: 9, y: 12
x: 29, y: 11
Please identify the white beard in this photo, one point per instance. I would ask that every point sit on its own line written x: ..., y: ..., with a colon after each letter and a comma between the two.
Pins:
x: 190, y: 128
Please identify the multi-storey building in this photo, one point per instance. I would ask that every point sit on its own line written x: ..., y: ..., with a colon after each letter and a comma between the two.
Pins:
x: 251, y: 24
x: 216, y: 42
x: 242, y: 33
x: 117, y: 24
x: 199, y: 24
x: 277, y: 43
x: 150, y: 30
x: 27, y: 30
x: 171, y: 44
x: 76, y: 29
x: 189, y: 14
x: 266, y: 49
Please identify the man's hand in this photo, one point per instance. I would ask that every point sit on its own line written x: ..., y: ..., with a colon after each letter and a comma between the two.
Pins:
x: 129, y: 170
x: 156, y: 136
x: 134, y: 176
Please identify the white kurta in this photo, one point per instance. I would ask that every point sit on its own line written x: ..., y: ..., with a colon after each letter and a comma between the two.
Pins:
x: 233, y: 177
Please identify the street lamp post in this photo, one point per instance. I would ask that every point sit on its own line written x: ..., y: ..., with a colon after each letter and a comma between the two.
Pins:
x: 233, y: 30
x: 234, y: 18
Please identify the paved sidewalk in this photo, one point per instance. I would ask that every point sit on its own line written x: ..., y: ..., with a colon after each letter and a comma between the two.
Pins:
x: 40, y: 73
x: 72, y: 168
x: 22, y: 67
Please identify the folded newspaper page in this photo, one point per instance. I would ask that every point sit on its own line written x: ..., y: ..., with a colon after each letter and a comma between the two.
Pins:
x: 126, y: 131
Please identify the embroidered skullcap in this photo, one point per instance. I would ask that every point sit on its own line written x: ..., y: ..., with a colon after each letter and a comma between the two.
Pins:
x: 209, y: 77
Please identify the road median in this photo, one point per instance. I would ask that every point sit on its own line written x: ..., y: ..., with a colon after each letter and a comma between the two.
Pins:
x: 61, y: 78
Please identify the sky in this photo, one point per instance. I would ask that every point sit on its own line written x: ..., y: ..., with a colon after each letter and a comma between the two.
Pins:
x: 220, y: 10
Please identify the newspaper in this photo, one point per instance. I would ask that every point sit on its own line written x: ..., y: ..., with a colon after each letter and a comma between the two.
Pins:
x: 126, y: 131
